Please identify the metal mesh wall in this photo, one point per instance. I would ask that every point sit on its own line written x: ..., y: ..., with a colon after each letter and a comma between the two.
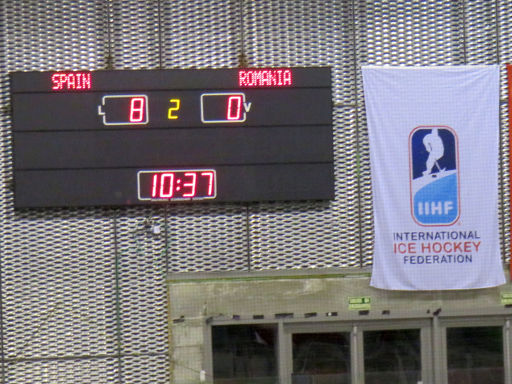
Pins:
x: 503, y: 31
x: 83, y: 298
x: 58, y: 281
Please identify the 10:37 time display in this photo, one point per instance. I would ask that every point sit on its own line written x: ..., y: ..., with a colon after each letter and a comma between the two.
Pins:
x: 165, y: 185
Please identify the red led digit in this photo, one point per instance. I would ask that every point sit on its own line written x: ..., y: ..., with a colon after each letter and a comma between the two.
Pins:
x: 224, y: 107
x: 234, y: 110
x: 209, y: 175
x: 191, y: 184
x: 154, y: 185
x: 137, y: 109
x: 124, y: 109
x: 166, y: 187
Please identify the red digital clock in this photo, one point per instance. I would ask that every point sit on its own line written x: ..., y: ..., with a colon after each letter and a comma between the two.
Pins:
x: 165, y: 185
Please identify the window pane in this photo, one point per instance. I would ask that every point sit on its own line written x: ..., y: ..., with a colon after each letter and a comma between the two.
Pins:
x: 321, y: 358
x: 392, y: 356
x: 245, y: 354
x: 475, y: 355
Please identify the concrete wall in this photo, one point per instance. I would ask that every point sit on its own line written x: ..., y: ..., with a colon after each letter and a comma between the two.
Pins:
x: 226, y: 299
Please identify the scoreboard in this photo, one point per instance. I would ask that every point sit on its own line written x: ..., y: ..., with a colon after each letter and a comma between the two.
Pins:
x: 128, y: 137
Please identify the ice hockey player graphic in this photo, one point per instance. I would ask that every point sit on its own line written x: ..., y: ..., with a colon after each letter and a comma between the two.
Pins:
x: 435, y: 148
x: 434, y: 177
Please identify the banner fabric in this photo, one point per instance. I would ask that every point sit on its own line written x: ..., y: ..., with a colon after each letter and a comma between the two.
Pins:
x: 434, y: 146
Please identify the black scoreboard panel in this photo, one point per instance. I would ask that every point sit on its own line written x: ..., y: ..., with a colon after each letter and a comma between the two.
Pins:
x: 159, y: 136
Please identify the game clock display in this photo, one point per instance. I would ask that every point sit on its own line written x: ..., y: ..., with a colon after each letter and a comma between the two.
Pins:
x: 196, y: 184
x: 111, y: 138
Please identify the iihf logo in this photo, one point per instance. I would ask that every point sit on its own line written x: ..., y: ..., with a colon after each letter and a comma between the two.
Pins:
x: 434, y: 176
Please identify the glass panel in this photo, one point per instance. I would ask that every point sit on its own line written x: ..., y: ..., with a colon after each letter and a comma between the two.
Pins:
x: 475, y: 355
x: 245, y: 354
x: 392, y: 356
x: 321, y: 358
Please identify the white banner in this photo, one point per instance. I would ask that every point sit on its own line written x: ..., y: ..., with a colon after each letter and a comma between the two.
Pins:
x: 434, y: 160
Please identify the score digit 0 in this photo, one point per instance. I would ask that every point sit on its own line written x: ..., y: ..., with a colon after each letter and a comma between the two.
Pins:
x: 224, y: 107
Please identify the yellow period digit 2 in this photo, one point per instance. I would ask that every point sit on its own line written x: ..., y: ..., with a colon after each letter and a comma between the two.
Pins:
x: 175, y: 107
